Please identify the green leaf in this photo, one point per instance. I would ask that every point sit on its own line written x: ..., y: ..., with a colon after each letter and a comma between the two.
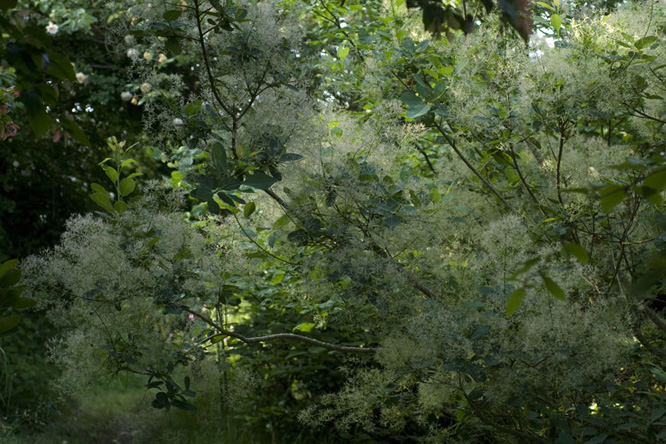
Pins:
x: 9, y: 296
x: 111, y: 173
x: 219, y: 157
x: 415, y: 105
x: 12, y: 263
x: 597, y: 439
x: 6, y: 5
x: 75, y: 130
x: 446, y: 70
x: 126, y: 187
x: 556, y: 22
x: 304, y: 327
x: 60, y: 66
x: 515, y: 301
x: 290, y: 157
x: 656, y: 181
x: 10, y: 277
x: 512, y: 11
x: 343, y: 51
x: 259, y: 181
x: 40, y: 122
x: 417, y: 111
x: 577, y: 251
x: 8, y: 323
x: 224, y: 205
x: 645, y: 41
x: 173, y: 45
x: 611, y: 197
x: 192, y: 108
x: 553, y: 288
x: 172, y: 15
x: 24, y: 303
x: 102, y: 199
x: 410, y: 98
x: 528, y: 264
x: 120, y: 206
x: 250, y: 207
x: 97, y: 188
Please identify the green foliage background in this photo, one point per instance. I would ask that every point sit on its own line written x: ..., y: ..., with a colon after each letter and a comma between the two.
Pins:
x: 343, y: 221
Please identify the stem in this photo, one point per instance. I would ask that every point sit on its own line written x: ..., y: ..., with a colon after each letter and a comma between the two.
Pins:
x: 273, y: 337
x: 247, y: 235
x: 427, y: 159
x: 559, y: 163
x: 523, y: 181
x: 209, y: 72
x: 471, y: 167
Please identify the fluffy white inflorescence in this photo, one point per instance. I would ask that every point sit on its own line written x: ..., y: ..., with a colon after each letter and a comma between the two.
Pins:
x: 106, y: 290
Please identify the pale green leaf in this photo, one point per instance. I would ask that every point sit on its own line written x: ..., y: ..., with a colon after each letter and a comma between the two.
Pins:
x: 126, y: 186
x: 120, y: 206
x: 111, y: 173
x: 553, y: 288
x: 515, y: 301
x: 304, y: 327
x: 249, y: 208
x: 12, y: 263
x: 343, y: 51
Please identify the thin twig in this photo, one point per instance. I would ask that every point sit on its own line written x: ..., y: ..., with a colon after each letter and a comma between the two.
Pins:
x: 427, y: 159
x: 266, y: 338
x: 471, y: 167
x: 209, y: 72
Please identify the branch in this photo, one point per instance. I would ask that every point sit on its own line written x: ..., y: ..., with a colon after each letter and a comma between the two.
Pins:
x: 651, y: 348
x: 558, y: 174
x: 376, y: 248
x: 639, y: 113
x: 471, y: 167
x: 273, y: 337
x: 211, y: 79
x: 277, y: 199
x: 427, y: 159
x: 523, y: 181
x: 654, y: 317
